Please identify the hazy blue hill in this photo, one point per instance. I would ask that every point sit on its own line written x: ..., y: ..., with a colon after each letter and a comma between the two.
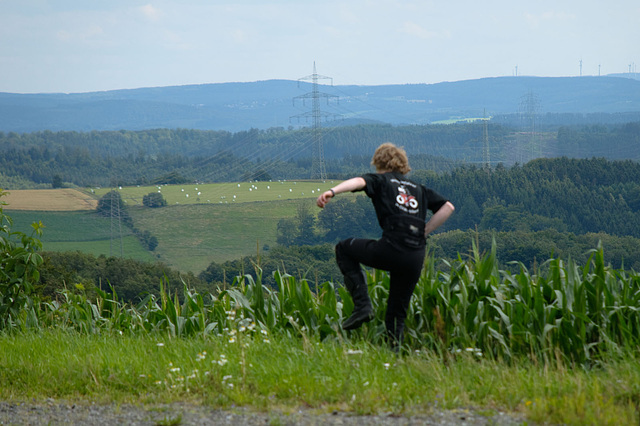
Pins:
x: 265, y: 104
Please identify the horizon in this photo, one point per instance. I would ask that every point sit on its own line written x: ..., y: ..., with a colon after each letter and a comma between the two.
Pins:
x: 632, y: 76
x: 70, y: 46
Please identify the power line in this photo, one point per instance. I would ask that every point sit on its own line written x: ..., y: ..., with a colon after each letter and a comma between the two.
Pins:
x: 318, y: 170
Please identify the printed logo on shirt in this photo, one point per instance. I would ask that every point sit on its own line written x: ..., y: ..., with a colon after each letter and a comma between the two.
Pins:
x: 405, y: 199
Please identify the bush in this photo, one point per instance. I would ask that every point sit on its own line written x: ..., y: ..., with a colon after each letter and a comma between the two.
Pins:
x: 154, y: 199
x: 19, y: 262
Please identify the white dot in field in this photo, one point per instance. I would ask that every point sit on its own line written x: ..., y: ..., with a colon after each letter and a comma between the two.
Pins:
x: 182, y: 190
x: 187, y: 195
x: 268, y: 187
x: 199, y: 192
x: 290, y: 190
x: 238, y: 185
x: 312, y: 191
x: 159, y: 191
x: 234, y: 196
x: 279, y: 196
x: 250, y: 189
x: 196, y: 189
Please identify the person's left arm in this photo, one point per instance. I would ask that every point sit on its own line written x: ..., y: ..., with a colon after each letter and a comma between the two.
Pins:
x: 439, y: 218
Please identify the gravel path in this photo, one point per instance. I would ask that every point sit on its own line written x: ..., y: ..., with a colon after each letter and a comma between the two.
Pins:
x: 60, y: 413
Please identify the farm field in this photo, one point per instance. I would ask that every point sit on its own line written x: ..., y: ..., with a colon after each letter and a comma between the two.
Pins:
x: 80, y: 231
x: 192, y: 236
x: 64, y: 199
x: 221, y: 193
x: 224, y: 222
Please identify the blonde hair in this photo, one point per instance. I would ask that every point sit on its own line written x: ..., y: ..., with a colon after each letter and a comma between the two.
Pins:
x: 389, y: 157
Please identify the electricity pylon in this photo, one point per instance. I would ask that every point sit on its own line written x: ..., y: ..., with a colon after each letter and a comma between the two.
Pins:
x: 318, y: 170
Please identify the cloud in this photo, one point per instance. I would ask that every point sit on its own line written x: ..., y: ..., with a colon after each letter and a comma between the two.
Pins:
x: 150, y: 12
x: 413, y: 29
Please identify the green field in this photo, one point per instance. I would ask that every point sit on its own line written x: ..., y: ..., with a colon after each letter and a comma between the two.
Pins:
x: 81, y: 231
x: 191, y: 237
x: 215, y: 222
x: 222, y: 193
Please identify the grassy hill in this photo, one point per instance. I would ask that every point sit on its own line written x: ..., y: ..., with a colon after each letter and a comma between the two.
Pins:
x: 82, y: 231
x: 201, y: 224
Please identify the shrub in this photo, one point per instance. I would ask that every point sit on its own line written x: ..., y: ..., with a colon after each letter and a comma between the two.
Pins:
x: 154, y: 199
x: 19, y: 262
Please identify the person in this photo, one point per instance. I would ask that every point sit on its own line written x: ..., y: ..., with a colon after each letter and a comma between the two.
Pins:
x: 401, y: 208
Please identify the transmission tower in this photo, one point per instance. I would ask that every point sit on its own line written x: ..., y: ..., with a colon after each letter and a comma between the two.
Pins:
x: 529, y: 107
x: 318, y: 170
x: 486, y: 156
x: 116, y: 221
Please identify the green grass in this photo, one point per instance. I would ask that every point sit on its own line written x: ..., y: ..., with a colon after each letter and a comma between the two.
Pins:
x: 223, y: 193
x: 130, y: 249
x: 64, y: 226
x: 192, y: 231
x: 81, y: 231
x: 267, y: 373
x: 191, y: 237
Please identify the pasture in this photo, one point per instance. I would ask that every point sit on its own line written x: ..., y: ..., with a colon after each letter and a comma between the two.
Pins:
x: 192, y: 236
x: 201, y: 224
x: 221, y: 193
x: 82, y: 231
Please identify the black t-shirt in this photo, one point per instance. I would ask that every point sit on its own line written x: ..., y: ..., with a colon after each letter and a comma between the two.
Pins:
x: 392, y: 194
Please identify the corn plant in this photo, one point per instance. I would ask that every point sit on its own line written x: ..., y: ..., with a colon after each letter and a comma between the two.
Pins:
x: 566, y: 314
x: 19, y: 262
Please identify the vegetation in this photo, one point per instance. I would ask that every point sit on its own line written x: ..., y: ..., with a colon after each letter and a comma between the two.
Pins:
x: 282, y: 376
x: 162, y: 156
x: 131, y: 280
x: 19, y: 262
x: 154, y: 199
x: 556, y: 347
x: 556, y: 343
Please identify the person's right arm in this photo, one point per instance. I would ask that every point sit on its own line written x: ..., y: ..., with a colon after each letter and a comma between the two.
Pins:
x: 349, y: 185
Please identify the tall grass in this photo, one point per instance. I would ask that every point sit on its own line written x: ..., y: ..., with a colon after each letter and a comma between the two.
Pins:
x: 569, y: 314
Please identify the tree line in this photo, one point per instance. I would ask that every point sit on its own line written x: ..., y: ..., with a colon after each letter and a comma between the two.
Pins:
x: 141, y: 157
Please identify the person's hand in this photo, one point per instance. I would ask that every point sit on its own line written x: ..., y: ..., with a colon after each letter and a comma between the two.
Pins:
x: 324, y: 198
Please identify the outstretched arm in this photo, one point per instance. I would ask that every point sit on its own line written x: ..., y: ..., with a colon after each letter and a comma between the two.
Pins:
x: 352, y: 184
x: 438, y: 218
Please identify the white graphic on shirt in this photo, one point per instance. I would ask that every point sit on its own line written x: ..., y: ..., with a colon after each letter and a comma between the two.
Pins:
x: 405, y: 199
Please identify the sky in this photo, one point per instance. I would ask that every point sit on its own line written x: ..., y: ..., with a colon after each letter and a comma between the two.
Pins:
x: 73, y: 46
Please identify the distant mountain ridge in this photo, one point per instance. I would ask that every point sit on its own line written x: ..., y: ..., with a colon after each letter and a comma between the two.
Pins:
x: 265, y: 104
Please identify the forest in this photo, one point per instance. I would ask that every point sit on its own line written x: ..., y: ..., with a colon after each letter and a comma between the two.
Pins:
x: 557, y: 206
x: 137, y: 157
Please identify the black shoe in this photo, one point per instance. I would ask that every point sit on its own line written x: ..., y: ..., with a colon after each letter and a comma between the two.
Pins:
x: 358, y: 317
x: 363, y: 311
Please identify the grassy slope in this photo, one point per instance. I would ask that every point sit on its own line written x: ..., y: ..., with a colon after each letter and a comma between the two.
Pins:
x: 81, y: 231
x: 222, y: 193
x: 191, y: 237
x: 192, y: 231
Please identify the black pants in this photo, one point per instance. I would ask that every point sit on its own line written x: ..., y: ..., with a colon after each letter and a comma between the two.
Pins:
x: 404, y: 267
